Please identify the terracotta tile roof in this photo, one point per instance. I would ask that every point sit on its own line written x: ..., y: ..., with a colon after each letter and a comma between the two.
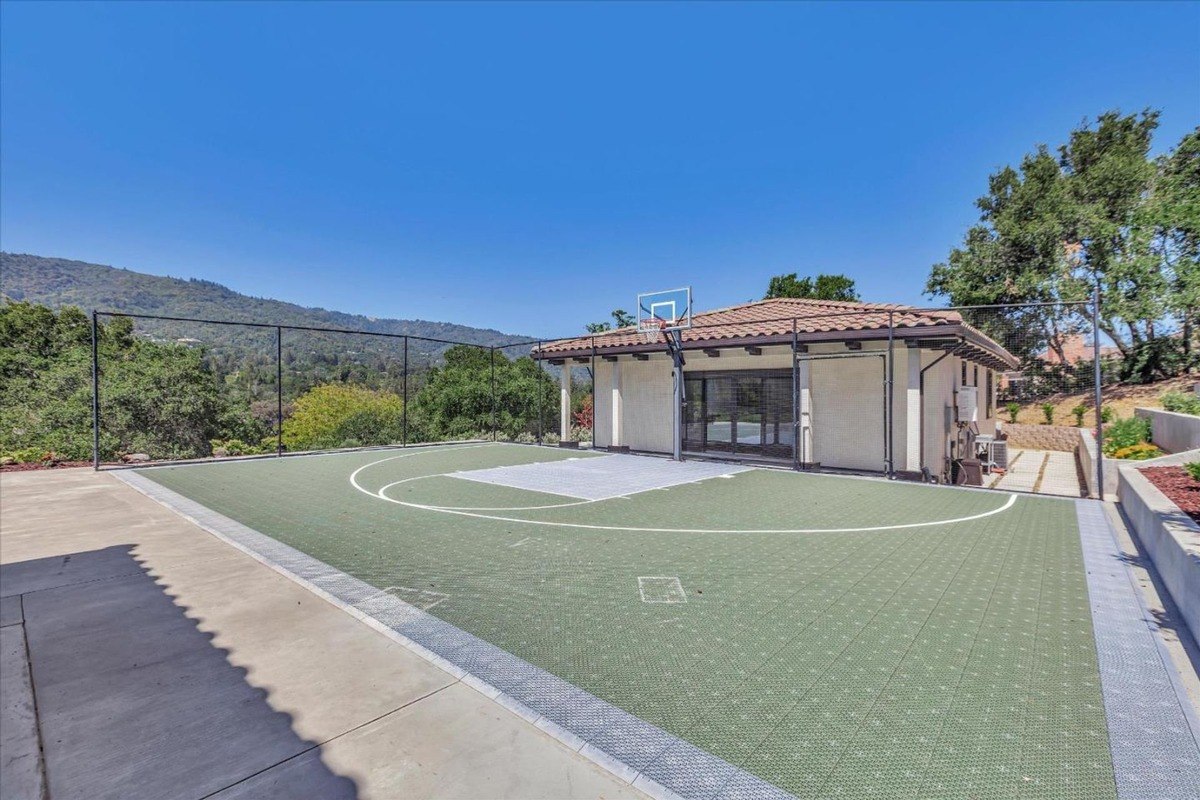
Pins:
x: 767, y: 319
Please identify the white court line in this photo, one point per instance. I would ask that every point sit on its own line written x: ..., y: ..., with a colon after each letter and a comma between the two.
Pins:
x: 1012, y: 498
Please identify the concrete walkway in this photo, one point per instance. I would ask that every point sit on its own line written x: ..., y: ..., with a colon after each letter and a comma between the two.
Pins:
x: 143, y: 658
x: 1038, y: 471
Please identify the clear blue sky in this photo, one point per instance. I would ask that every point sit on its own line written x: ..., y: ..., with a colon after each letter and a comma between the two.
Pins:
x: 531, y: 167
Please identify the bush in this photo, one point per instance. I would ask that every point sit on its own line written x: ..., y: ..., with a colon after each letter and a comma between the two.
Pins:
x: 1013, y: 409
x: 28, y: 455
x: 1106, y: 414
x: 1079, y: 411
x: 1193, y: 469
x: 1048, y: 413
x: 1126, y: 433
x: 1138, y: 452
x: 338, y: 415
x: 1182, y: 403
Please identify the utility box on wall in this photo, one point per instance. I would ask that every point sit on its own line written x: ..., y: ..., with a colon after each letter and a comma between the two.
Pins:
x: 967, y: 401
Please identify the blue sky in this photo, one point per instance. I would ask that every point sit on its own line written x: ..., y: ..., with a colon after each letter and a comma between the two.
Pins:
x: 531, y: 167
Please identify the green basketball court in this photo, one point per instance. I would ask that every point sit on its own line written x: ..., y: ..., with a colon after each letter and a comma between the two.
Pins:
x: 718, y: 631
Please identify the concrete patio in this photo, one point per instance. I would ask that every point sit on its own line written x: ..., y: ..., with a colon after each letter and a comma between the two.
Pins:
x: 143, y: 658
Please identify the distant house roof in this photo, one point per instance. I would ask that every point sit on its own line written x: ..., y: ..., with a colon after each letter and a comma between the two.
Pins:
x: 1076, y: 347
x: 773, y: 321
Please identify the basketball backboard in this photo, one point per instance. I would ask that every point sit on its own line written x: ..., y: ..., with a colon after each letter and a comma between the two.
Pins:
x: 667, y: 310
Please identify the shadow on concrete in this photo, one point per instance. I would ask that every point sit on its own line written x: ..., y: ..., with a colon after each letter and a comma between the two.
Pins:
x: 134, y: 700
x: 1168, y: 619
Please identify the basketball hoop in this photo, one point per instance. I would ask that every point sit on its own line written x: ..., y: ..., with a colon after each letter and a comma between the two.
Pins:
x: 651, y: 329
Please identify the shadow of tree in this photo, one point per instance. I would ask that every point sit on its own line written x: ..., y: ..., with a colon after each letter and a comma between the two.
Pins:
x: 134, y: 700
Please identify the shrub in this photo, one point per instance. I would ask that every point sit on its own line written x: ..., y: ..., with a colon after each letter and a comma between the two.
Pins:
x: 1106, y: 414
x: 338, y: 415
x: 1138, y: 452
x: 1048, y: 413
x: 1125, y: 433
x: 1079, y: 411
x: 27, y: 455
x: 1193, y: 469
x: 1013, y: 409
x: 1181, y: 402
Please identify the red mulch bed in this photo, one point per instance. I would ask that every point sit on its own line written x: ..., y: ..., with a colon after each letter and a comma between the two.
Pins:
x: 1178, y: 486
x: 43, y: 465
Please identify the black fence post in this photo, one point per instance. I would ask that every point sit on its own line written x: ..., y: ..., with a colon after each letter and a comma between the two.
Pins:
x: 404, y: 395
x: 492, y: 356
x: 890, y: 382
x: 95, y: 393
x: 539, y: 392
x: 278, y: 390
x: 796, y: 430
x: 592, y: 369
x: 1096, y: 377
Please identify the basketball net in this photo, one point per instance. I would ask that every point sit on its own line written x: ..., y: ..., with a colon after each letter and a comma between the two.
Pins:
x: 652, y: 329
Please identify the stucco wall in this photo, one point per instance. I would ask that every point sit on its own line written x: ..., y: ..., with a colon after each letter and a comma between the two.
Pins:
x: 1172, y: 431
x: 648, y: 396
x: 602, y: 434
x: 847, y: 409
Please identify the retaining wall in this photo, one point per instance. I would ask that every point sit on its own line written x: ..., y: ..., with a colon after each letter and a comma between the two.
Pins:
x: 1168, y: 536
x: 1172, y: 431
x: 1087, y: 453
x: 1042, y: 437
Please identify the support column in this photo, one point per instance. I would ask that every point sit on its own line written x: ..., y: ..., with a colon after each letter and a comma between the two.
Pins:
x: 912, y: 413
x: 564, y: 409
x: 804, y: 379
x: 617, y: 440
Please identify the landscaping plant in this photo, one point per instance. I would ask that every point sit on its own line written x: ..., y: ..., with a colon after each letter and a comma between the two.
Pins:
x: 1138, y: 452
x: 1048, y: 413
x: 1182, y: 403
x: 1125, y: 433
x: 1079, y: 411
x: 1193, y: 469
x: 1013, y: 409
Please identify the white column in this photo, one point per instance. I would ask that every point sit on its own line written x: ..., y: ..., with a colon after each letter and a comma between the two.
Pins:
x: 617, y: 406
x: 564, y: 402
x: 913, y: 421
x: 806, y: 418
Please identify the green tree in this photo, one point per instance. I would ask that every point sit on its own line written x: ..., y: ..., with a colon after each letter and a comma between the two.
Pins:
x: 621, y: 317
x: 823, y: 287
x: 157, y: 398
x: 343, y: 415
x: 457, y: 402
x: 1100, y: 214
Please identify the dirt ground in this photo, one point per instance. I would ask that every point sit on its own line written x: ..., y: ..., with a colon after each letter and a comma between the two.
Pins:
x: 1121, y: 398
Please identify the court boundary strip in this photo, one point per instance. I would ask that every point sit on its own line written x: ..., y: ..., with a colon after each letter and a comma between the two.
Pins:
x: 1153, y: 733
x: 633, y: 750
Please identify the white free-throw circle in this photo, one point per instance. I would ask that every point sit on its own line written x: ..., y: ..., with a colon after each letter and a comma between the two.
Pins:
x: 1012, y: 498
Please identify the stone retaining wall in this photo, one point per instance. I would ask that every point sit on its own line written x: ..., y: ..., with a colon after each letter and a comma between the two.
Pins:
x: 1042, y: 437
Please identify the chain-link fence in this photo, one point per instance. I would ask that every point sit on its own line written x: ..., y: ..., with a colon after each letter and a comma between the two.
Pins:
x: 939, y: 394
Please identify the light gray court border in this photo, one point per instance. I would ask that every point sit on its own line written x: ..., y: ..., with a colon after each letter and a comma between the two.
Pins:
x: 1153, y: 733
x: 658, y: 763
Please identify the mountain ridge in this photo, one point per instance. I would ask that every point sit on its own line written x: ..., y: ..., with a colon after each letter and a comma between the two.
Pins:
x: 58, y: 282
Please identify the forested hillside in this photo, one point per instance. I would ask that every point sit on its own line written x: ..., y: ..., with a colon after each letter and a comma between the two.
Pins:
x: 57, y: 283
x: 181, y: 389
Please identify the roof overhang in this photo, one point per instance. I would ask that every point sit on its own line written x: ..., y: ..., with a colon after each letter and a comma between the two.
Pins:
x: 973, y: 345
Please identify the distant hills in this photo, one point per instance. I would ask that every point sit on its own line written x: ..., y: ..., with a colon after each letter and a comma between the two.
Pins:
x: 58, y: 282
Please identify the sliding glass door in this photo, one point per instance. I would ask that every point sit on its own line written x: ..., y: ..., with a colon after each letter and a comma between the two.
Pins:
x: 739, y: 413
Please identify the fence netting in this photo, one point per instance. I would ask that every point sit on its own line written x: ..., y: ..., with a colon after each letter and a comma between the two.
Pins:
x: 812, y: 391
